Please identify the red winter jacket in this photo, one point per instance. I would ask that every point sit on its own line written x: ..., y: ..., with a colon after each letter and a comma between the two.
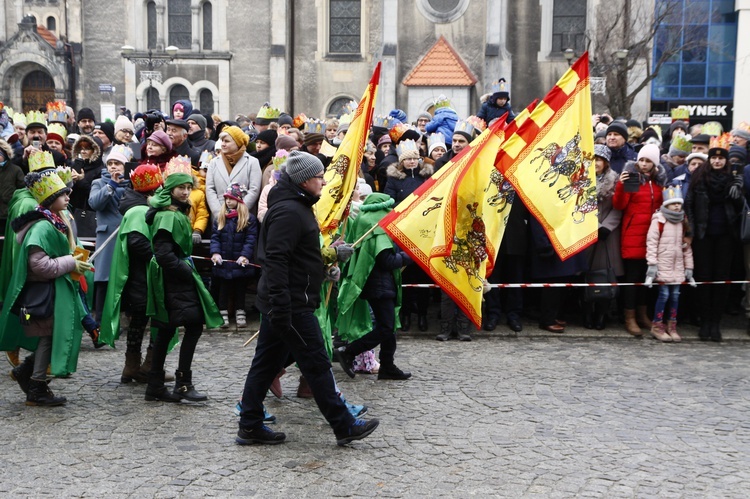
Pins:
x: 637, y: 209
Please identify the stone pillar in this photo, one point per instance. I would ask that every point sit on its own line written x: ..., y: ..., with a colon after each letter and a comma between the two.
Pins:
x: 497, y: 61
x: 160, y: 26
x: 742, y: 69
x: 277, y: 92
x: 195, y: 17
x: 388, y: 71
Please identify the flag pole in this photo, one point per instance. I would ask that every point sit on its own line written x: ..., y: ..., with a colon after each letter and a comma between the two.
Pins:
x: 355, y: 243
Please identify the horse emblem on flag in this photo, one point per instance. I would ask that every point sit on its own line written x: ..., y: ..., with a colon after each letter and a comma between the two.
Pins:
x: 469, y: 252
x: 505, y: 193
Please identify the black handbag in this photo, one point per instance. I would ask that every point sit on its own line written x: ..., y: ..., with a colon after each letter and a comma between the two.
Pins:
x: 36, y: 301
x: 593, y: 294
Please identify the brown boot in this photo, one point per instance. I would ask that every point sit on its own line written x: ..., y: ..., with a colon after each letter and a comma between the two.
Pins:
x: 631, y: 326
x: 641, y: 316
x: 146, y: 366
x: 132, y: 370
x: 658, y: 331
x: 672, y: 331
x: 304, y: 391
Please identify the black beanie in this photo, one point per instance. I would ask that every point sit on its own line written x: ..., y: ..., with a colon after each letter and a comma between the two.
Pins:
x: 108, y: 128
x: 618, y: 127
x: 268, y: 136
x: 86, y: 114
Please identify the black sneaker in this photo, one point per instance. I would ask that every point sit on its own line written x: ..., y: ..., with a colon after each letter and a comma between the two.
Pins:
x: 392, y: 372
x: 261, y: 435
x: 345, y: 360
x: 357, y: 431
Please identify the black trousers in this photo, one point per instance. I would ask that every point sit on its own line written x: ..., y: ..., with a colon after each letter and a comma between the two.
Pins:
x: 509, y: 269
x: 635, y: 271
x: 187, y: 347
x: 235, y: 288
x: 712, y: 257
x: 304, y: 341
x: 383, y: 333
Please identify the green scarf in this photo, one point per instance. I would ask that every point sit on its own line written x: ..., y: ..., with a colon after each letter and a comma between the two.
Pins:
x: 163, y: 195
x: 354, y: 313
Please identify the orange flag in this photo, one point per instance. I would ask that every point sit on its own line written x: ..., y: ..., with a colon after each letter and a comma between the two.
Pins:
x: 341, y: 175
x: 550, y: 162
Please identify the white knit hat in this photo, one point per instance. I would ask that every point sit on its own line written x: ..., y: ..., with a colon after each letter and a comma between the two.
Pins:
x: 123, y: 123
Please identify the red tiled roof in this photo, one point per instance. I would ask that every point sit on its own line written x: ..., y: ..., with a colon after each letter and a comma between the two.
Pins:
x: 441, y: 67
x: 48, y: 36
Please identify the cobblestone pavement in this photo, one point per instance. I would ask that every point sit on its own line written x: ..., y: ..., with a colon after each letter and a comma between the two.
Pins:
x: 565, y: 416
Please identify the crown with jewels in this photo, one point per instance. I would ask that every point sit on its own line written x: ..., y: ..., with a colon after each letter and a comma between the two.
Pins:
x: 721, y: 142
x: 268, y: 113
x: 680, y: 113
x: 122, y: 149
x: 43, y: 186
x: 407, y: 148
x: 35, y: 117
x: 206, y: 158
x: 178, y: 164
x: 435, y: 140
x: 65, y: 173
x: 712, y: 128
x: 56, y: 112
x: 41, y: 160
x: 743, y: 125
x: 299, y: 121
x: 478, y: 123
x: 672, y: 194
x: 442, y: 101
x: 57, y: 131
x: 315, y: 126
x: 682, y: 143
x: 465, y: 126
x: 384, y: 121
x: 146, y: 178
x: 19, y: 119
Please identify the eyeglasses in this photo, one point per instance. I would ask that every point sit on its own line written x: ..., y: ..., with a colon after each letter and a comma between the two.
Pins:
x: 127, y: 132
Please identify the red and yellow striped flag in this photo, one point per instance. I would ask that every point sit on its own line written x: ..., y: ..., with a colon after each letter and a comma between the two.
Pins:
x: 452, y: 224
x: 341, y: 175
x: 550, y: 162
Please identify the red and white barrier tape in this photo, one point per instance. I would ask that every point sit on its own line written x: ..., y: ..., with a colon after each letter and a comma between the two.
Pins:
x: 576, y: 284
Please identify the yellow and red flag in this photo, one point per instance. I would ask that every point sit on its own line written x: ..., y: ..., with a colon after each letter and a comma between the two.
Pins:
x: 452, y: 224
x: 341, y: 175
x: 550, y: 162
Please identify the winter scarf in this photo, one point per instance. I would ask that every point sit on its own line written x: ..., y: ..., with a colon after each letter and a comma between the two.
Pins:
x: 231, y: 159
x: 674, y: 217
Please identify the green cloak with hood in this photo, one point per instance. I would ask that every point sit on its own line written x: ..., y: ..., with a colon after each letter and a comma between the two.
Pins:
x: 354, y: 320
x: 21, y: 202
x: 68, y: 311
x: 178, y: 224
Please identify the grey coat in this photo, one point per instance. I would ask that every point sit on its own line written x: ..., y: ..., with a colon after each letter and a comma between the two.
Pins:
x: 610, y: 219
x: 105, y: 199
x: 246, y: 172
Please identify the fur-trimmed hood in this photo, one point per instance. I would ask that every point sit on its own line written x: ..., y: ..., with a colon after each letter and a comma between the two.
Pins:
x: 395, y: 170
x: 23, y: 223
x: 605, y: 187
x: 95, y: 143
x: 7, y: 150
x: 659, y: 177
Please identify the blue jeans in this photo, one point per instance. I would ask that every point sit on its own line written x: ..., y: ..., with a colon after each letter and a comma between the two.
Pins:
x: 667, y: 291
x: 304, y: 342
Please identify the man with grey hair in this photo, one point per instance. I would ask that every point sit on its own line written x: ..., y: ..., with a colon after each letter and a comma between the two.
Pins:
x: 177, y: 130
x: 288, y: 295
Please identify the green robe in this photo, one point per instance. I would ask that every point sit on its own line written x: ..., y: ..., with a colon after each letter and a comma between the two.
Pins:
x: 354, y: 320
x: 178, y: 225
x: 21, y: 202
x: 66, y: 331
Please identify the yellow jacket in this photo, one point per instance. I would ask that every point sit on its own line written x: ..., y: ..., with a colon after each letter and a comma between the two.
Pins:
x: 199, y: 215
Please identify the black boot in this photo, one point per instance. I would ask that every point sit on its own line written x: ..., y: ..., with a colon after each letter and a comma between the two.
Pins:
x: 183, y: 387
x: 704, y: 334
x: 422, y: 322
x: 588, y: 316
x: 462, y: 326
x: 392, y: 372
x: 146, y: 366
x: 405, y: 320
x: 40, y: 394
x: 445, y: 331
x: 715, y: 331
x: 156, y: 389
x: 22, y: 373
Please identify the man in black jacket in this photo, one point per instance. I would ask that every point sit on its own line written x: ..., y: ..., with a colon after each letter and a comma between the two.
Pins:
x: 288, y: 295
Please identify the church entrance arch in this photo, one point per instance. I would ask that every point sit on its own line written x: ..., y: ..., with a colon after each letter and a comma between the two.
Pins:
x: 37, y: 89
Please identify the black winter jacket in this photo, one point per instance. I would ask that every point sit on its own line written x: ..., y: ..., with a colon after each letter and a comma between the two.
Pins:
x: 698, y: 205
x: 289, y: 253
x: 231, y: 245
x: 380, y: 283
x: 139, y: 254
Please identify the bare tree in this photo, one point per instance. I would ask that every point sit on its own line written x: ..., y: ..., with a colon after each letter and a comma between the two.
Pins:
x: 627, y: 31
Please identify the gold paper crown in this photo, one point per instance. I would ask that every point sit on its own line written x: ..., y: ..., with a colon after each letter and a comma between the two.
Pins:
x: 464, y: 126
x: 501, y: 85
x: 41, y: 160
x: 436, y: 139
x: 35, y: 117
x: 407, y: 146
x: 19, y: 119
x: 279, y: 158
x: 178, y: 164
x: 65, y: 173
x: 56, y: 112
x: 315, y: 126
x: 57, y: 129
x: 269, y: 113
x: 206, y: 157
x: 350, y: 107
x: 743, y: 125
x: 478, y: 123
x: 712, y: 128
x: 442, y: 101
x: 398, y: 130
x: 383, y: 121
x: 44, y: 186
x: 299, y: 121
x: 680, y: 113
x: 121, y: 149
x: 673, y: 193
x: 721, y: 142
x: 682, y: 143
x: 345, y: 119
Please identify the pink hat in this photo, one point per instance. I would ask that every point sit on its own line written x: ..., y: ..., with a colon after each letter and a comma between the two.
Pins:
x: 161, y: 138
x: 650, y: 152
